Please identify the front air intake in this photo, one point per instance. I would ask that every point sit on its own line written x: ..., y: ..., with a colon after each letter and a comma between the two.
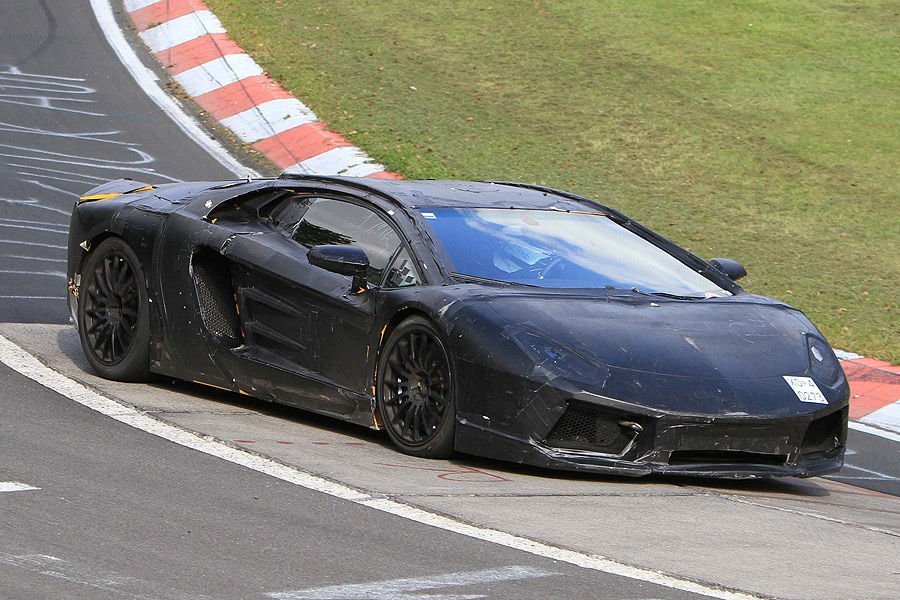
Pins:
x: 582, y: 428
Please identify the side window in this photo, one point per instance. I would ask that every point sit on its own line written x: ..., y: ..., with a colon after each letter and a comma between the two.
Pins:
x: 288, y: 213
x: 402, y: 272
x: 329, y: 221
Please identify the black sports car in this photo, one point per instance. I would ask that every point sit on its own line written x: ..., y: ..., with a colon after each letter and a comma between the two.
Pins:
x: 498, y: 319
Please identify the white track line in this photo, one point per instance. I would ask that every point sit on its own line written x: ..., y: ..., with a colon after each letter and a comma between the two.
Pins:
x: 16, y: 486
x: 146, y: 81
x: 888, y: 435
x: 21, y: 361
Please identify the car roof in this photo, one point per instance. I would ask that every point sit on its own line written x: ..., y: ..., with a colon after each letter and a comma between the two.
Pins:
x: 433, y: 193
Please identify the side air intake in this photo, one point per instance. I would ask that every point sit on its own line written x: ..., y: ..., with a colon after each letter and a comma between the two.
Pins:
x: 212, y: 279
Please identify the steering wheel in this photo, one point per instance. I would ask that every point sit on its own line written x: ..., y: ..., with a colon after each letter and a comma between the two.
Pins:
x: 544, y: 267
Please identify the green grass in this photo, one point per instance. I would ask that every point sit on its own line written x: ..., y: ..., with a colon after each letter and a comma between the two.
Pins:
x: 765, y: 131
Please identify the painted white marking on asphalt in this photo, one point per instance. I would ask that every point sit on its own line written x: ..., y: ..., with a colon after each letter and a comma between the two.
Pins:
x: 888, y: 435
x: 268, y: 119
x: 181, y: 30
x: 120, y: 585
x: 29, y: 222
x: 38, y: 258
x: 813, y: 515
x: 217, y: 73
x: 118, y: 164
x: 52, y: 188
x: 16, y: 486
x: 146, y: 81
x: 87, y: 179
x: 41, y: 91
x: 879, y: 474
x: 346, y: 160
x: 34, y: 203
x: 104, y: 137
x: 55, y: 178
x: 50, y: 274
x: 21, y: 361
x: 887, y: 417
x: 18, y: 243
x: 32, y: 228
x: 852, y: 478
x: 57, y: 94
x: 402, y: 588
x: 133, y: 5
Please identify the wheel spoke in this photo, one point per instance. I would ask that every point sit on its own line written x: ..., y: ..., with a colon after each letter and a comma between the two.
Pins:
x: 403, y: 409
x: 429, y: 417
x: 106, y: 280
x: 126, y: 335
x: 123, y: 276
x: 404, y: 352
x: 406, y: 420
x: 101, y: 291
x: 420, y: 418
x: 96, y: 325
x: 396, y: 366
x: 422, y: 351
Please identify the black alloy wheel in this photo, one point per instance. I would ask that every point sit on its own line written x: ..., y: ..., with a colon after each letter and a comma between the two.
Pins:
x: 113, y: 319
x: 416, y: 390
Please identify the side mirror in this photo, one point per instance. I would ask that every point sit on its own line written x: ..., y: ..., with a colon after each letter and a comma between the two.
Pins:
x: 732, y: 268
x: 343, y: 260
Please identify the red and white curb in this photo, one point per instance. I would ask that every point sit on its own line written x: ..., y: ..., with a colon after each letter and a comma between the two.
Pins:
x: 874, y: 392
x: 193, y: 46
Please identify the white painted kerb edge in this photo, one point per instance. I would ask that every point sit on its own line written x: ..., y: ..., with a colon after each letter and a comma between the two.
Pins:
x: 887, y: 417
x: 181, y: 30
x: 217, y: 73
x: 888, y: 435
x: 21, y: 361
x: 268, y: 119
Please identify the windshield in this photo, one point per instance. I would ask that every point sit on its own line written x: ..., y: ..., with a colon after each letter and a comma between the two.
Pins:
x: 558, y: 249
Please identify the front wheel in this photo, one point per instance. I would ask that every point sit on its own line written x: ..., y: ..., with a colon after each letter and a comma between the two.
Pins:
x: 113, y: 314
x: 416, y: 390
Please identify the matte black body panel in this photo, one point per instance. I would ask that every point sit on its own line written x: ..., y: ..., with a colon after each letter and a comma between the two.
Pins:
x: 609, y: 381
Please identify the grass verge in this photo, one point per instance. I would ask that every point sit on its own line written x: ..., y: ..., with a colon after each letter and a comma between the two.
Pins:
x: 764, y: 131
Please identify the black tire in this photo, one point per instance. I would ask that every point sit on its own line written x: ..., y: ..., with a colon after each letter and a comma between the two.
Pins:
x: 113, y: 313
x: 416, y: 389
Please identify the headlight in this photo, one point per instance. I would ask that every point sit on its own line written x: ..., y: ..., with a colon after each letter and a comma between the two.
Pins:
x: 823, y: 364
x: 558, y: 358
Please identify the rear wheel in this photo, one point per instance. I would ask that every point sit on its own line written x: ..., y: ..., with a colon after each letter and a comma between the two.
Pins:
x: 416, y: 390
x: 113, y: 314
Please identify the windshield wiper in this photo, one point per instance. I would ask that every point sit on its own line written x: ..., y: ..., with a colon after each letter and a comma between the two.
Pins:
x: 666, y: 295
x: 476, y: 279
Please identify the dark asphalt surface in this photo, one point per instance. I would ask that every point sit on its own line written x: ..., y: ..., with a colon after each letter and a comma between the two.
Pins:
x: 71, y: 117
x: 871, y: 462
x: 121, y: 513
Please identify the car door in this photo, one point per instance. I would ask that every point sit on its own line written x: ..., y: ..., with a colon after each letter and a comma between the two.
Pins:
x: 302, y: 317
